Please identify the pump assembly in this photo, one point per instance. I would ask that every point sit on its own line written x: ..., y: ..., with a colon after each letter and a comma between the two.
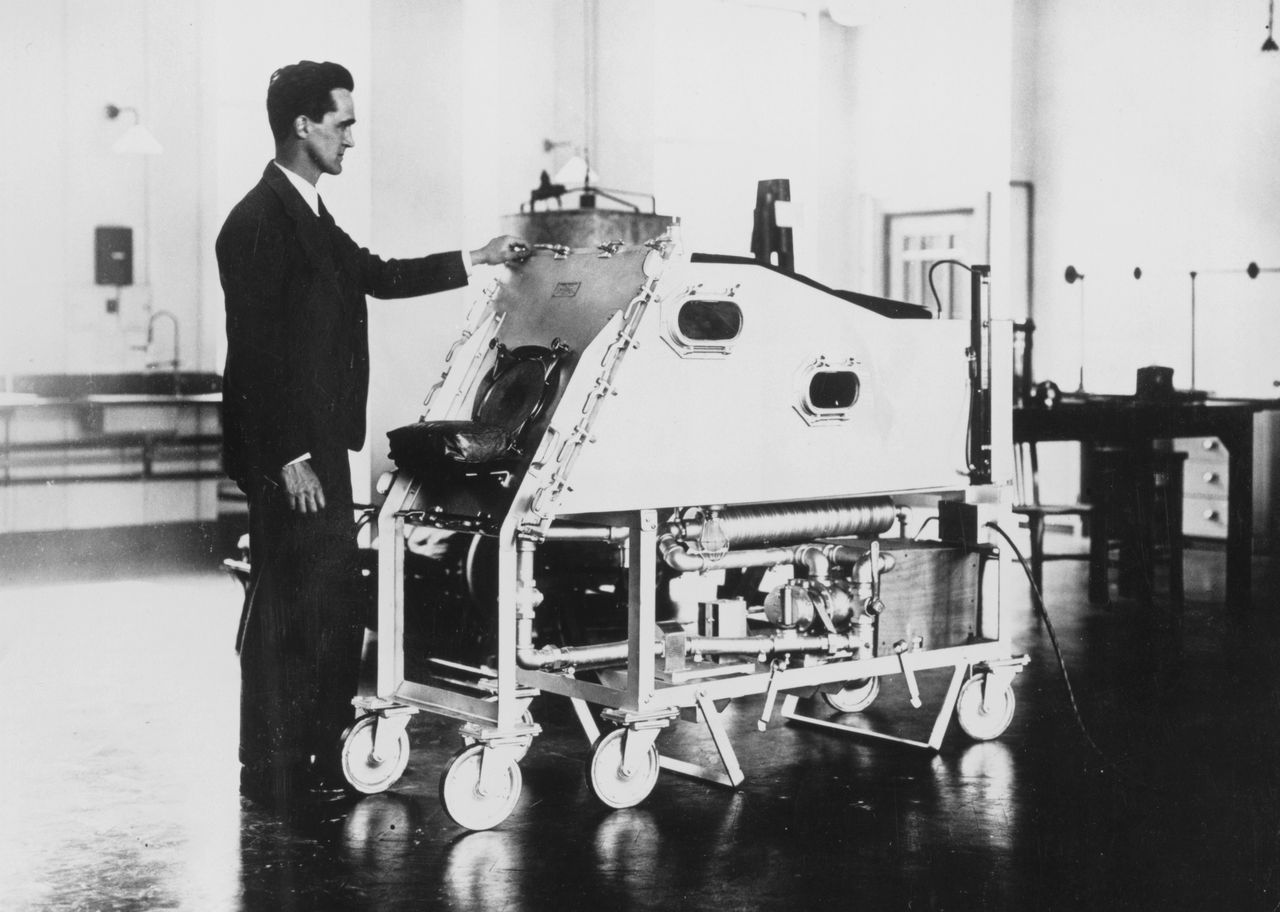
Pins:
x: 654, y: 483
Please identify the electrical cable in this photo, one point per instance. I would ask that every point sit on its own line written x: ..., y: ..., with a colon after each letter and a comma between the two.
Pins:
x: 924, y: 525
x: 937, y: 300
x: 1108, y: 765
x: 1038, y: 601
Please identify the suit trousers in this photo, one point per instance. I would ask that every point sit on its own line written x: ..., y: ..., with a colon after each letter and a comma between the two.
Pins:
x: 301, y: 638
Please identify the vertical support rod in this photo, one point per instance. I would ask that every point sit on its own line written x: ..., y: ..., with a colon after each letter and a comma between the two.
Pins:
x: 390, y: 604
x: 642, y: 547
x: 508, y: 708
x: 1193, y: 330
x: 1239, y: 441
x: 979, y: 375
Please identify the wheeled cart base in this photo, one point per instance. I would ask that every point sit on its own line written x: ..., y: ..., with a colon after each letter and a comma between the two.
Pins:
x: 481, y: 785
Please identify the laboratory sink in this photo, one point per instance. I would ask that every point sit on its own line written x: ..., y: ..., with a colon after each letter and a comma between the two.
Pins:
x: 148, y: 383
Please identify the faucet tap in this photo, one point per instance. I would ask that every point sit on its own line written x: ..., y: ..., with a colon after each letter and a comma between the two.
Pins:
x: 173, y: 362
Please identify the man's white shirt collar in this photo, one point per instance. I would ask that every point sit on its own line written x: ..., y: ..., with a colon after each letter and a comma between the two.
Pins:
x: 305, y: 187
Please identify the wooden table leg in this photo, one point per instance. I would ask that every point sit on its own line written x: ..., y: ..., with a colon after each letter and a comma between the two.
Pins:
x: 1239, y: 444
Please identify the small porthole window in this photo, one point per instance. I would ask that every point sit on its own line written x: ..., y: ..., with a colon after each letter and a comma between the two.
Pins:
x: 709, y: 321
x: 833, y: 389
x: 703, y: 327
x: 826, y: 392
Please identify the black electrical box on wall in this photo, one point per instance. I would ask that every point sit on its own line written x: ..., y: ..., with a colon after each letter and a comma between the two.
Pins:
x: 113, y: 255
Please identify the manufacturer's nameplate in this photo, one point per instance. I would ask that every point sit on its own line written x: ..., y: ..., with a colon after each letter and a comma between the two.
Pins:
x: 566, y: 289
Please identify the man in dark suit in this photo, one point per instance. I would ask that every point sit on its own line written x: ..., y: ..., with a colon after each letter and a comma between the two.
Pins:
x: 294, y: 396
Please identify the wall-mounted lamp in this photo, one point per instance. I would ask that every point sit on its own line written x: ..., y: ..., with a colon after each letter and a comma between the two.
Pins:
x: 137, y: 140
x: 1253, y: 270
x: 1270, y: 43
x: 1072, y: 275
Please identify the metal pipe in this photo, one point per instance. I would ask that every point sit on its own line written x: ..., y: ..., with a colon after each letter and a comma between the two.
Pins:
x: 585, y: 533
x: 527, y: 595
x: 769, y: 645
x: 677, y: 557
x: 602, y: 654
x: 555, y: 657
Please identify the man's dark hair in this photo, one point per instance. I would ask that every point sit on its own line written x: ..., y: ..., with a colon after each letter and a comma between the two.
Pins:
x: 303, y: 88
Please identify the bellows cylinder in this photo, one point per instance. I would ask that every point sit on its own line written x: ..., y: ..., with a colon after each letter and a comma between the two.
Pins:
x: 770, y: 523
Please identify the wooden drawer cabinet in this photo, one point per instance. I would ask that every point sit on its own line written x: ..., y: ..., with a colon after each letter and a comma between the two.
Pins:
x: 1206, y: 482
x: 1204, y: 485
x: 1206, y: 472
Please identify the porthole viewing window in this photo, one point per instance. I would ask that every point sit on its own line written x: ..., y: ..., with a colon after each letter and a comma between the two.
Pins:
x: 709, y: 321
x: 704, y: 327
x: 833, y: 389
x: 826, y: 393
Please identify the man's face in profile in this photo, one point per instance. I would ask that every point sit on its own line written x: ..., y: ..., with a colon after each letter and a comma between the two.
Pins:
x: 328, y: 139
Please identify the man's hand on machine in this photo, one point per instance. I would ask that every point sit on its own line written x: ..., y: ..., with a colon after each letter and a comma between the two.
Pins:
x: 302, y: 487
x: 503, y: 250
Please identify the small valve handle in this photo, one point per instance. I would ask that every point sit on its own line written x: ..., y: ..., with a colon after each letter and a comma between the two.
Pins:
x: 875, y: 605
x: 875, y: 569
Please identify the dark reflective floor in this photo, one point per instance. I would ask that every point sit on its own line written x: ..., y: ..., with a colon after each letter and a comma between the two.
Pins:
x: 119, y: 786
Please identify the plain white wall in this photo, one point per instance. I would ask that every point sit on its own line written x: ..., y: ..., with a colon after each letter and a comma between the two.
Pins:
x: 931, y: 123
x: 1149, y: 130
x: 465, y: 94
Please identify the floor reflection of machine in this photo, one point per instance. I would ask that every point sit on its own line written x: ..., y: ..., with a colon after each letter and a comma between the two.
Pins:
x: 653, y: 484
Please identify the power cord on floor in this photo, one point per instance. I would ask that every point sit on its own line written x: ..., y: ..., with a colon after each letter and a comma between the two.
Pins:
x: 1042, y: 611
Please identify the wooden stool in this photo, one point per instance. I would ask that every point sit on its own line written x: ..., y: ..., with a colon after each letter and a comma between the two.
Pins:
x: 1138, y: 501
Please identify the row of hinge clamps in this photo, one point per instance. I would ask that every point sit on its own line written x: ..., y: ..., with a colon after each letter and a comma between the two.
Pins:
x: 607, y: 250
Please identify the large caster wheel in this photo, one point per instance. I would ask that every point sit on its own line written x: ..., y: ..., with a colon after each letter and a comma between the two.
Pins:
x: 365, y: 769
x: 855, y: 696
x: 612, y: 784
x: 466, y: 799
x: 982, y: 723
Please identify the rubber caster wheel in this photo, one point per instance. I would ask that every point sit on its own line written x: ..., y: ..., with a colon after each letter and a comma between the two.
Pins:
x: 982, y: 723
x: 855, y: 696
x: 613, y: 785
x: 366, y: 771
x: 466, y: 802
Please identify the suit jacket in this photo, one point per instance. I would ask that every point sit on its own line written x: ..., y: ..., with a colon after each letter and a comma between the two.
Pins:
x: 297, y: 371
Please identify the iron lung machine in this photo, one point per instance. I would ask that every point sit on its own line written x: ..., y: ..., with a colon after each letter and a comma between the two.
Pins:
x: 669, y: 482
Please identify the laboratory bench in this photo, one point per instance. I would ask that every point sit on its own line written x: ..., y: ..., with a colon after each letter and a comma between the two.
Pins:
x: 68, y: 428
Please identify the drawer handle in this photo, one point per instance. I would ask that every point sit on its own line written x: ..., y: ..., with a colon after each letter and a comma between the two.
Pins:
x: 1211, y: 515
x: 1210, y: 477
